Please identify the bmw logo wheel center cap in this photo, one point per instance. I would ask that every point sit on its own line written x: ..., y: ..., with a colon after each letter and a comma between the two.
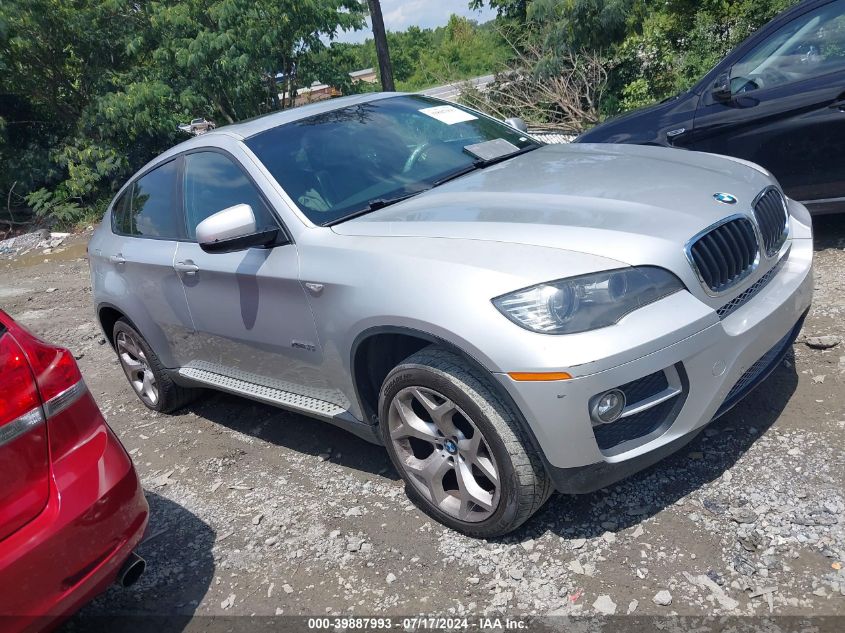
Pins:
x: 725, y: 198
x: 450, y: 447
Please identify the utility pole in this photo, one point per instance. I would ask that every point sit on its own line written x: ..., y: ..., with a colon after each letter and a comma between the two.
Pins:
x: 383, y: 54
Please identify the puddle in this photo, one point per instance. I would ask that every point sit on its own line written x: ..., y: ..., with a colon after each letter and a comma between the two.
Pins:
x: 64, y: 253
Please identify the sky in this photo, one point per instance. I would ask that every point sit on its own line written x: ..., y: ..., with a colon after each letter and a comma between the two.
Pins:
x: 400, y: 14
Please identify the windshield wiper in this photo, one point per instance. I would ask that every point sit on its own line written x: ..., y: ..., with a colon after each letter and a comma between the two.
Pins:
x: 481, y: 164
x: 463, y: 171
x: 380, y: 203
x: 373, y: 205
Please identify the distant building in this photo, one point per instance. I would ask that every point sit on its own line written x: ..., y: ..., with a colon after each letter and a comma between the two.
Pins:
x: 318, y: 91
x: 367, y: 75
x: 315, y: 92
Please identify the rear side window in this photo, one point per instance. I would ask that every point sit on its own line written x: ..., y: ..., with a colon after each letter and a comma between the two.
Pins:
x: 213, y: 182
x: 120, y: 212
x: 150, y: 206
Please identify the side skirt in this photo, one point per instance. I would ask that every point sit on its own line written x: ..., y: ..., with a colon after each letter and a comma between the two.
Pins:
x: 294, y: 402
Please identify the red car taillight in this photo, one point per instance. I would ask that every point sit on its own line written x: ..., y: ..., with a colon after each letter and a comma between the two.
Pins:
x: 54, y: 367
x: 37, y: 382
x: 18, y: 393
x: 24, y: 456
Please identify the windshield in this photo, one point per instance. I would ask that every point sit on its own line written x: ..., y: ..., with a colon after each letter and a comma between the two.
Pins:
x: 355, y: 159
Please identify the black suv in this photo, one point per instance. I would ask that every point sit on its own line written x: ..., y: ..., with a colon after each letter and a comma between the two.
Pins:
x: 778, y: 100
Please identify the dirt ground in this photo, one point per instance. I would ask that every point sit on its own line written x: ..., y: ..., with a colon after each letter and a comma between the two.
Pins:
x: 260, y: 511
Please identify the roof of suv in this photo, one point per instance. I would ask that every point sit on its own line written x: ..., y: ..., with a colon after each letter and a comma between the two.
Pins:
x: 251, y: 127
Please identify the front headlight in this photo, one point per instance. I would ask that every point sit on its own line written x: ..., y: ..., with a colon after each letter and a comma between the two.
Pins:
x: 587, y: 302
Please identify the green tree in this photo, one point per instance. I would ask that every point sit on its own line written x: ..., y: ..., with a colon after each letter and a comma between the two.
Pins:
x: 651, y: 48
x: 506, y: 9
x: 581, y: 24
x: 425, y: 57
x: 459, y: 50
x: 56, y: 57
x: 92, y: 89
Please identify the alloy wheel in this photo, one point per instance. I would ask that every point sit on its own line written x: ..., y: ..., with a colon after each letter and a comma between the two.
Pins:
x: 444, y: 454
x: 137, y: 368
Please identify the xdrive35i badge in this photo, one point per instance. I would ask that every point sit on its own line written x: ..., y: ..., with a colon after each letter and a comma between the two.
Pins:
x: 725, y: 198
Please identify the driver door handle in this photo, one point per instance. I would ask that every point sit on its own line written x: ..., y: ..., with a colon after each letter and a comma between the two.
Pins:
x: 187, y: 267
x: 117, y: 259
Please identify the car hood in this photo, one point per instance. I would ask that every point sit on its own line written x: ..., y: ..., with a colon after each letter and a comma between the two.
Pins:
x: 635, y: 204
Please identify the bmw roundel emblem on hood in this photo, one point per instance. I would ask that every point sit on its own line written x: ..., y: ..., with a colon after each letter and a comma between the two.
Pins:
x: 725, y: 198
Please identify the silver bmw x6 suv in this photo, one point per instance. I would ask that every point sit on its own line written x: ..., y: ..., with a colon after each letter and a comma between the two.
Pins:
x: 506, y: 318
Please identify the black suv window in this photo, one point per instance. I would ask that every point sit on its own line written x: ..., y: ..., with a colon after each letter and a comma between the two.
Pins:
x: 213, y: 182
x: 809, y: 46
x: 150, y: 206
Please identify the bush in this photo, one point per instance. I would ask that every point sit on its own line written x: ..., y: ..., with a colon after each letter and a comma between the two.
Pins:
x: 50, y: 204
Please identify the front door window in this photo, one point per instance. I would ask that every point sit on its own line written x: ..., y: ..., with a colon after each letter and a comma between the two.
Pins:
x: 809, y: 46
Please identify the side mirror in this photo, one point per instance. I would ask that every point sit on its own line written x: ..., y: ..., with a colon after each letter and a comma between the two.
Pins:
x: 516, y: 123
x: 232, y: 229
x: 721, y: 90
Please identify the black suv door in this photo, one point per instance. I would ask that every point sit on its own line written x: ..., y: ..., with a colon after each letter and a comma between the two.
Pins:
x: 786, y: 108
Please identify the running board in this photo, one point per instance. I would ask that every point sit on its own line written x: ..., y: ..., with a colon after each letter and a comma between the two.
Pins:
x: 271, y: 395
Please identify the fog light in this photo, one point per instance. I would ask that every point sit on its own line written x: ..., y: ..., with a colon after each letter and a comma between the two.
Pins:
x: 607, y: 407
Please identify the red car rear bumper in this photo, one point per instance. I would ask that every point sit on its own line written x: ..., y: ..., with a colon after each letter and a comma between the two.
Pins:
x: 95, y: 516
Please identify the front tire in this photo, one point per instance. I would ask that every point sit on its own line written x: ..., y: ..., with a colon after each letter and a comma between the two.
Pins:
x: 465, y: 458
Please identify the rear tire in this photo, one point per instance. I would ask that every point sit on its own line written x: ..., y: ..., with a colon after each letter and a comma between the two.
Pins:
x: 431, y: 407
x: 146, y: 375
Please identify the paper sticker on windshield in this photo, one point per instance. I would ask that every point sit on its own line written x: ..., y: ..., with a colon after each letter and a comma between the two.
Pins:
x: 448, y: 114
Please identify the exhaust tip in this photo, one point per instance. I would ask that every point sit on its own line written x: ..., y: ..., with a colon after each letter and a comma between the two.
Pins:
x: 131, y: 571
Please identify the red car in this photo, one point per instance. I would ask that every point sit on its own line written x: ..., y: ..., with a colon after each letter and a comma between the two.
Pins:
x: 71, y: 507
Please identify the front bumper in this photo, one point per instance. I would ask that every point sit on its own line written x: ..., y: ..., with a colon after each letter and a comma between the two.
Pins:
x: 716, y: 366
x: 95, y: 516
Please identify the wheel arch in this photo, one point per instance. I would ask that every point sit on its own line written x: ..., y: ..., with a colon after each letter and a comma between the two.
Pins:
x: 108, y: 315
x: 375, y: 340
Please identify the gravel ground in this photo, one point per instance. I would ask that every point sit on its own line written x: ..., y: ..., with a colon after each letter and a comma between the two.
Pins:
x: 260, y: 511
